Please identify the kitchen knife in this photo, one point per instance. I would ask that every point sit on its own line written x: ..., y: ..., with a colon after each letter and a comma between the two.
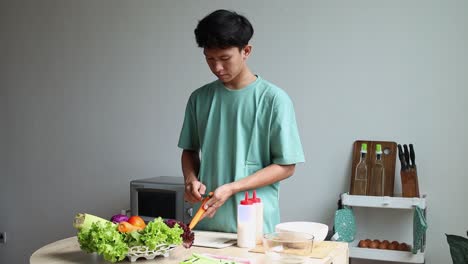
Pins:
x: 409, y: 177
x: 401, y: 156
x: 407, y: 159
x: 412, y: 156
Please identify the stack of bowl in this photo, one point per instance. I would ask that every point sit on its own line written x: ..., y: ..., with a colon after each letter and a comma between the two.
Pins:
x: 292, y: 242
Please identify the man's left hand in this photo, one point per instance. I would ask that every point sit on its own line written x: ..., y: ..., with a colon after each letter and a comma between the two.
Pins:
x: 220, y: 195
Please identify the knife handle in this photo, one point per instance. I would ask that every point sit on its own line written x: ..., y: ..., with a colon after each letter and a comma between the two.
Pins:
x: 405, y: 147
x: 412, y: 156
x: 401, y: 156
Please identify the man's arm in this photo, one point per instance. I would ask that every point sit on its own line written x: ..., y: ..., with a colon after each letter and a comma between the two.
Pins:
x: 266, y: 176
x: 190, y: 168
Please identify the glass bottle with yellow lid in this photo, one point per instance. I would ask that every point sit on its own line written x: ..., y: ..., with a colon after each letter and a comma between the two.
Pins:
x: 360, y: 175
x: 378, y: 174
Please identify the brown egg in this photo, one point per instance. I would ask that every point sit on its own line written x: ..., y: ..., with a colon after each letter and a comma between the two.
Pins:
x: 386, y: 242
x: 383, y: 245
x: 392, y: 246
x: 363, y: 244
x: 374, y: 244
x: 403, y: 247
x: 395, y: 243
x: 368, y: 241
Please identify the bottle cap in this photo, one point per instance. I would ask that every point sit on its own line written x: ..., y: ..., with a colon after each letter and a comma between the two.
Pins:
x: 255, y: 199
x: 246, y: 201
x: 364, y: 148
x: 378, y: 149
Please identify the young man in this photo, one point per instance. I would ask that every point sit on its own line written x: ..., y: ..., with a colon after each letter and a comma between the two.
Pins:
x: 239, y: 132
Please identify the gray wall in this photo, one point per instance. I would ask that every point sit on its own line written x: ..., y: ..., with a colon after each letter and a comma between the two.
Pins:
x: 95, y: 94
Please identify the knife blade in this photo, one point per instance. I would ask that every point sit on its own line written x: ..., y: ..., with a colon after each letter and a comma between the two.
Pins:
x: 412, y: 156
x: 401, y: 156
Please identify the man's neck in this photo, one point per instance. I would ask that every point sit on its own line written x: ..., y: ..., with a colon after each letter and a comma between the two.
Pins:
x: 242, y: 80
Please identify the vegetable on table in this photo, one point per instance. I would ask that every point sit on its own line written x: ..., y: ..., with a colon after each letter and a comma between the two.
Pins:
x: 119, y: 218
x: 126, y: 227
x: 157, y: 232
x: 84, y: 221
x: 187, y: 237
x: 103, y: 238
x: 99, y: 235
x: 200, y: 211
x: 137, y: 221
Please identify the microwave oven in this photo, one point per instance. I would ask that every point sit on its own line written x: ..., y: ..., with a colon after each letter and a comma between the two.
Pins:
x: 160, y: 197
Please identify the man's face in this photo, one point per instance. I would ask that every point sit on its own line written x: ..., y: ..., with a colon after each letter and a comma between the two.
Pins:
x: 226, y: 63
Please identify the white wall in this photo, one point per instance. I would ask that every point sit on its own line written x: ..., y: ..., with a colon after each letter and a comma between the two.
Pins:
x: 96, y: 90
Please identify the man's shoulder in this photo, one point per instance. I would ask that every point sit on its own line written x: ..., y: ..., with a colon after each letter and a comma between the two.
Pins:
x: 206, y: 90
x: 272, y: 90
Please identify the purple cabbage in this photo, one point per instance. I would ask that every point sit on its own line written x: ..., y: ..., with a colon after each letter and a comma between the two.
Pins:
x: 187, y: 237
x: 119, y: 218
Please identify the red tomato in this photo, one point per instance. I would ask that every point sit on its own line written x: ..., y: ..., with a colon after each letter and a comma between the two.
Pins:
x: 137, y: 221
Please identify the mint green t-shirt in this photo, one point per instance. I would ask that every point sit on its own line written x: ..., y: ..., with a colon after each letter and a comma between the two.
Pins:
x: 237, y: 133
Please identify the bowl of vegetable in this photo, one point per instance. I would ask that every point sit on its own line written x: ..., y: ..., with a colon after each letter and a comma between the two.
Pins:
x: 130, y: 236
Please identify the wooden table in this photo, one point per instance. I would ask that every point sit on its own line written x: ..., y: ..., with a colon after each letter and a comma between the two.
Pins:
x: 68, y: 250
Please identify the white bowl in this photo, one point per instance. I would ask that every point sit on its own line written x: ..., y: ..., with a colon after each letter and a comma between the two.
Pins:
x: 318, y: 230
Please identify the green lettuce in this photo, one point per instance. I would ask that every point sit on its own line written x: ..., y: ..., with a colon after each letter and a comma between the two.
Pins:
x: 104, y: 239
x: 156, y: 232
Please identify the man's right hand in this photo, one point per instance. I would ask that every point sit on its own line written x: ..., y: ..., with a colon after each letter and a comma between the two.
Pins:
x: 194, y: 191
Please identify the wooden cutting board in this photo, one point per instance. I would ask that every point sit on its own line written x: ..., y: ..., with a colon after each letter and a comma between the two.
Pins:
x: 214, y: 239
x: 389, y: 149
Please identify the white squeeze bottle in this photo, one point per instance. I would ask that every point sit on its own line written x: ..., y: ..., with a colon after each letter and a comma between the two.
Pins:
x: 246, y: 225
x: 259, y: 218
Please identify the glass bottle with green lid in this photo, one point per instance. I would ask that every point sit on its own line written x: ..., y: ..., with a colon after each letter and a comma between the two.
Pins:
x: 360, y: 175
x: 378, y: 174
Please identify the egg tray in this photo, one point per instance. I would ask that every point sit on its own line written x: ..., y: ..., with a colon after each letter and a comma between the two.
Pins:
x: 137, y: 252
x: 394, y: 245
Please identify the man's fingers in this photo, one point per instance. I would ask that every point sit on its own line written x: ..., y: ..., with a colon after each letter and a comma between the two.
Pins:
x: 196, y: 195
x: 212, y: 203
x: 190, y: 198
x: 202, y: 189
x: 193, y: 190
x: 210, y: 212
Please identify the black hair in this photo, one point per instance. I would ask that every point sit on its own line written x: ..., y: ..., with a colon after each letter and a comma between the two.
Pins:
x: 223, y: 29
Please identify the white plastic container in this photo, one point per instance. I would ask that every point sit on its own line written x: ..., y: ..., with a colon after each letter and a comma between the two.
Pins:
x: 246, y: 224
x: 259, y: 218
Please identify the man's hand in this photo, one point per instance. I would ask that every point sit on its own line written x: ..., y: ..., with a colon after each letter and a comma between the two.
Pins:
x: 220, y: 195
x: 194, y: 191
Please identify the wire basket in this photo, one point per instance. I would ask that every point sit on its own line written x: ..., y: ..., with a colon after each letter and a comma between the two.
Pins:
x: 137, y: 252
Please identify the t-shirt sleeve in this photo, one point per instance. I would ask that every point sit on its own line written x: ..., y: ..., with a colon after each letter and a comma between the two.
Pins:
x: 285, y: 143
x: 188, y: 138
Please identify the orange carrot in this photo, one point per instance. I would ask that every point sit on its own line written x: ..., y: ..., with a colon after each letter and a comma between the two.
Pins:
x: 200, y: 212
x: 126, y: 227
